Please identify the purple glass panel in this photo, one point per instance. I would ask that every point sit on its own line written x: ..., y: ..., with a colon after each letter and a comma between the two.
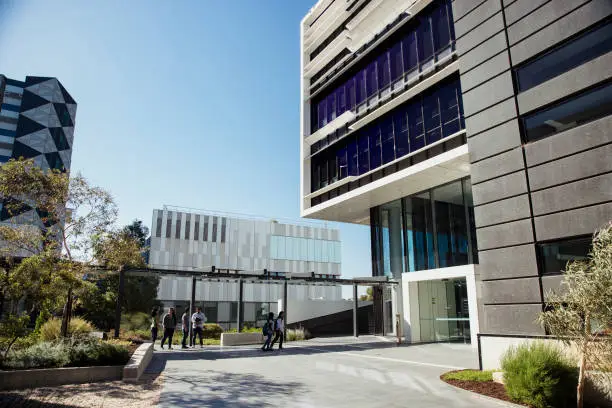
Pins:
x: 373, y: 133
x: 371, y: 79
x: 415, y: 126
x: 400, y: 128
x: 441, y: 27
x: 386, y: 136
x: 384, y: 71
x: 340, y: 100
x: 352, y: 157
x: 331, y: 107
x: 360, y: 85
x: 322, y: 114
x: 396, y: 63
x: 410, y: 52
x: 363, y: 153
x: 342, y: 163
x: 350, y: 93
x: 425, y: 40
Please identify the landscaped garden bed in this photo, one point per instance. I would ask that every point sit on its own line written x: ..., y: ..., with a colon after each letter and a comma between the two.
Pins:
x: 480, y: 382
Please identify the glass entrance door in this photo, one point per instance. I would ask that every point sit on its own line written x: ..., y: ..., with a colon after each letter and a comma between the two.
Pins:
x: 443, y: 311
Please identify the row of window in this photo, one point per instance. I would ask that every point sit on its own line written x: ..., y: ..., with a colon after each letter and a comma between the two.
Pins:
x: 585, y: 47
x: 426, y: 119
x: 304, y: 249
x: 206, y: 221
x: 422, y: 41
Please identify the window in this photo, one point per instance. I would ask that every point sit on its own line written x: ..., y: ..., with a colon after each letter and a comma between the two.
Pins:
x: 169, y: 225
x: 555, y: 255
x: 223, y: 228
x: 214, y: 230
x: 433, y: 229
x: 565, y: 56
x: 196, y: 228
x: 206, y: 220
x: 412, y: 48
x: 424, y: 120
x: 575, y: 111
x: 158, y: 225
x: 178, y: 226
x: 187, y: 225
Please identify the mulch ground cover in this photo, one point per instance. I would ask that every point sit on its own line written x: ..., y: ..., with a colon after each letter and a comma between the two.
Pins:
x: 488, y: 388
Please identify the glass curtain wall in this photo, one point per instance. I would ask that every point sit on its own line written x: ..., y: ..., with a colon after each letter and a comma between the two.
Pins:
x: 432, y: 229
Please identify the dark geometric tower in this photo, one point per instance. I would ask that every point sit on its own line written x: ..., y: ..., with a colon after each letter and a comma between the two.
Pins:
x: 36, y: 122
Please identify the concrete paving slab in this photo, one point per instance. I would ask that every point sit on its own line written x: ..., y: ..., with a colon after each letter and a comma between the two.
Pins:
x: 345, y: 372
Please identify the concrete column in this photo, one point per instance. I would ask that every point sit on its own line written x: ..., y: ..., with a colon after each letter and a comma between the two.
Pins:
x: 240, y: 302
x: 355, y: 307
x: 395, y: 242
x: 192, y: 308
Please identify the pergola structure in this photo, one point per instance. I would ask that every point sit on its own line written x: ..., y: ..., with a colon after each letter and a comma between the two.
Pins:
x: 242, y: 276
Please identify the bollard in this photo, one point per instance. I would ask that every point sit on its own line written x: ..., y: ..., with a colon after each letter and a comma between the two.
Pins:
x: 397, y: 329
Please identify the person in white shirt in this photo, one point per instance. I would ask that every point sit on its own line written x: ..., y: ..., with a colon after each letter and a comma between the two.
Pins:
x: 279, y: 330
x: 197, y: 320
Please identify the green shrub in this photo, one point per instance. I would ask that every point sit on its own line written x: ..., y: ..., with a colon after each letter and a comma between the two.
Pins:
x: 212, y: 331
x: 539, y: 375
x: 297, y: 334
x: 41, y: 355
x: 136, y: 336
x: 88, y: 351
x: 136, y: 321
x: 469, y: 375
x: 51, y: 329
x: 245, y: 330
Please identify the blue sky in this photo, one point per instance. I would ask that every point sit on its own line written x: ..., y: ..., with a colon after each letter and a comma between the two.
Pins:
x: 190, y: 103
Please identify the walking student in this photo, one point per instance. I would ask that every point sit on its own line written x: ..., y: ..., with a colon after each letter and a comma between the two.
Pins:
x: 280, y: 330
x: 198, y: 319
x: 169, y: 322
x: 154, y: 325
x: 185, y: 327
x: 268, y: 330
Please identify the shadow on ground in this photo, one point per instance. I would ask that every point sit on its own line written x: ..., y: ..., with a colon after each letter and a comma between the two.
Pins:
x: 159, y: 361
x: 220, y: 389
x: 18, y: 401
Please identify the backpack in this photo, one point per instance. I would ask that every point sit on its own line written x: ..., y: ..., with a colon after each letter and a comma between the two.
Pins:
x: 266, y: 328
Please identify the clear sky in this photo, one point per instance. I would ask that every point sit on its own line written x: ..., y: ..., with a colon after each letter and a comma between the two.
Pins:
x: 190, y: 103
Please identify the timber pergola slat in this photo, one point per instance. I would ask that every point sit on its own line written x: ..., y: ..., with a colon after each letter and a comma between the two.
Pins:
x: 239, y: 275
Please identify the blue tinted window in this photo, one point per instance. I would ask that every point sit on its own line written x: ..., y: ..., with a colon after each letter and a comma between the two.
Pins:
x: 364, y: 154
x: 425, y: 40
x: 331, y: 107
x: 400, y: 127
x: 395, y: 61
x: 371, y: 79
x: 384, y: 72
x: 563, y: 58
x: 322, y: 113
x: 350, y: 93
x: 415, y: 126
x: 375, y: 147
x: 449, y: 109
x: 342, y: 163
x: 352, y: 157
x: 360, y: 86
x: 570, y: 113
x: 431, y: 115
x: 9, y: 107
x: 5, y: 132
x: 386, y: 136
x: 409, y: 50
x: 441, y: 27
x: 341, y: 100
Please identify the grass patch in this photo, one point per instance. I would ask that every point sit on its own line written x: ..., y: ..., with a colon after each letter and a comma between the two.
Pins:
x: 469, y: 375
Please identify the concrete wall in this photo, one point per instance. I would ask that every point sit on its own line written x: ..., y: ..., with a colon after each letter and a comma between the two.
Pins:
x: 526, y: 193
x: 300, y: 310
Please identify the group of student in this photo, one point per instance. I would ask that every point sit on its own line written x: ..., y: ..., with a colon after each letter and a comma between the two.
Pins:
x: 169, y: 323
x: 272, y: 327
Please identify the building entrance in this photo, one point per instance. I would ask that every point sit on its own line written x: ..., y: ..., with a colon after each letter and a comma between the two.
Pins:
x: 443, y: 310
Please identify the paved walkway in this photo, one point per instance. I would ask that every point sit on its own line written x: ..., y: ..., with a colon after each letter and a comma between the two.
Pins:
x: 344, y: 372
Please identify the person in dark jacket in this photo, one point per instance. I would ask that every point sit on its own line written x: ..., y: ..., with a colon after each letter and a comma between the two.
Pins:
x: 154, y: 324
x: 169, y: 322
x: 268, y: 331
x: 279, y: 330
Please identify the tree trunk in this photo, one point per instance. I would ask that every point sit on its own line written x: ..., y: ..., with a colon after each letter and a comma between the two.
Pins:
x: 120, y: 291
x: 9, y: 346
x: 583, y: 361
x: 66, y: 314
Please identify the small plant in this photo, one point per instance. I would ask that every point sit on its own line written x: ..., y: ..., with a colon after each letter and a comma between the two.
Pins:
x: 212, y: 331
x: 41, y: 355
x: 136, y: 321
x: 539, y: 375
x: 469, y: 375
x: 136, y: 336
x: 88, y: 351
x: 51, y: 330
x: 297, y: 334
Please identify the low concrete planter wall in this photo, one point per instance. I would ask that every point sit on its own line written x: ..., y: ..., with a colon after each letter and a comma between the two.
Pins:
x: 138, y: 362
x: 10, y: 380
x: 237, y: 339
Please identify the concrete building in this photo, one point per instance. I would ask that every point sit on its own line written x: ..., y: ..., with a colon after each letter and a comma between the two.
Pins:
x: 473, y: 137
x: 191, y: 240
x: 37, y: 118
